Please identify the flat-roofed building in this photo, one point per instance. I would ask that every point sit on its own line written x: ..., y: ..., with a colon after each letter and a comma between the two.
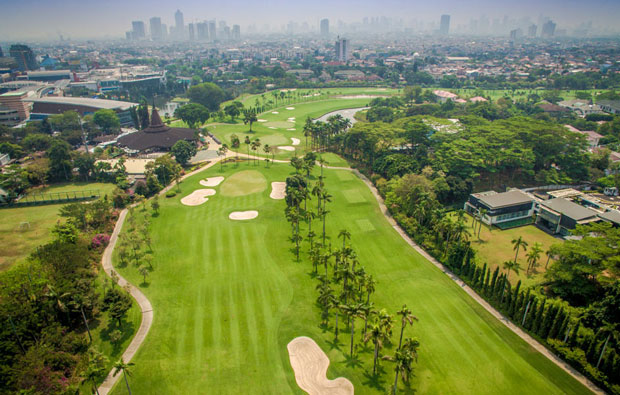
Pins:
x: 611, y: 216
x: 45, y: 106
x: 505, y: 209
x: 15, y: 100
x: 562, y: 215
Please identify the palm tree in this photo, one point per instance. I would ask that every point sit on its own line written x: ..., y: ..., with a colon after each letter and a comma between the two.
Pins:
x: 353, y: 311
x: 406, y: 317
x: 511, y: 266
x: 249, y: 116
x: 326, y: 197
x: 345, y: 235
x: 483, y: 213
x: 533, y: 256
x: 377, y: 335
x: 403, y: 359
x: 119, y: 366
x: 247, y: 142
x: 326, y: 299
x: 518, y: 243
x: 267, y: 149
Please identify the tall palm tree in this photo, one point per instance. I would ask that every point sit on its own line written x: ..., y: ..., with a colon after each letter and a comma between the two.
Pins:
x: 326, y: 299
x: 353, y: 311
x: 267, y: 149
x: 511, y: 266
x: 533, y: 256
x: 483, y: 213
x: 326, y: 198
x: 345, y: 235
x: 518, y: 243
x: 377, y: 335
x: 247, y: 142
x: 406, y: 316
x: 121, y: 366
x: 403, y: 359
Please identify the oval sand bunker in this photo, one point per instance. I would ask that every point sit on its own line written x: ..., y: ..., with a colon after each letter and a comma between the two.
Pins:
x: 243, y: 215
x: 197, y: 197
x: 286, y: 148
x: 211, y: 182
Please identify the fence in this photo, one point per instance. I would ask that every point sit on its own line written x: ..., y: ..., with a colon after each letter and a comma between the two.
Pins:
x: 39, y: 199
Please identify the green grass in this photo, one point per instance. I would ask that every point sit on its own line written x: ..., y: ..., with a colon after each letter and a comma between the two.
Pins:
x: 334, y: 160
x: 15, y: 243
x: 495, y: 94
x: 228, y: 296
x: 495, y: 247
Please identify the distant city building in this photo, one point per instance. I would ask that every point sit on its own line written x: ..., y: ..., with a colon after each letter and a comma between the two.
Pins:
x: 137, y: 30
x: 516, y: 34
x: 24, y: 57
x: 1, y: 54
x: 548, y: 29
x: 531, y: 31
x: 190, y: 28
x: 156, y: 29
x: 202, y: 31
x: 325, y: 27
x: 212, y: 31
x: 45, y: 106
x: 444, y: 25
x: 342, y: 49
x: 179, y: 27
x: 236, y: 32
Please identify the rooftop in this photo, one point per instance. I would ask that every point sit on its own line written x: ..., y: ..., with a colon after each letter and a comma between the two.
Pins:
x: 83, y: 101
x: 611, y: 216
x: 504, y: 199
x: 569, y: 209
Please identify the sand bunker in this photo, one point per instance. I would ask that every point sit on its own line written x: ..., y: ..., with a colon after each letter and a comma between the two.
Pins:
x: 290, y: 108
x: 278, y: 190
x: 261, y: 120
x: 290, y: 129
x: 286, y: 148
x: 211, y: 182
x: 292, y: 119
x: 295, y: 141
x: 272, y: 127
x: 197, y: 197
x: 310, y: 365
x: 275, y: 112
x: 243, y: 215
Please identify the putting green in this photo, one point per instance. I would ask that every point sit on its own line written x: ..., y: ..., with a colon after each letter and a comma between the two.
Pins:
x: 243, y: 183
x: 228, y: 296
x: 280, y: 124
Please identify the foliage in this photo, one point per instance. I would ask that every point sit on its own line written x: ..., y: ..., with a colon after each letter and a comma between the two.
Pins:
x: 193, y: 114
x: 183, y: 151
x: 207, y: 94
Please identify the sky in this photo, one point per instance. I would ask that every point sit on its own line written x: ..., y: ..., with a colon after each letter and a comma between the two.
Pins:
x: 40, y: 19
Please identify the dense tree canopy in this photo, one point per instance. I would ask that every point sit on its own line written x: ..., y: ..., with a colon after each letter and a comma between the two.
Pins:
x: 207, y: 94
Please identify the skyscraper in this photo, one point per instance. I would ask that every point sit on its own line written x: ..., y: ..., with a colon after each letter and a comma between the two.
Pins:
x: 342, y: 49
x: 137, y: 30
x: 24, y: 57
x: 325, y: 27
x: 548, y: 29
x: 236, y: 32
x: 156, y: 31
x: 444, y: 26
x: 190, y: 27
x: 531, y: 31
x: 1, y: 54
x: 202, y: 30
x: 212, y: 33
x: 179, y: 27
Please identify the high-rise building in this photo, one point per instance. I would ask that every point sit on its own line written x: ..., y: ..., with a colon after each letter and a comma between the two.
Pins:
x: 190, y: 27
x: 137, y: 30
x: 236, y: 32
x: 212, y: 32
x: 156, y: 31
x: 325, y: 27
x: 531, y: 31
x: 444, y: 25
x: 342, y: 49
x: 179, y: 25
x: 1, y: 54
x: 24, y: 57
x: 202, y: 31
x: 164, y: 31
x: 548, y: 29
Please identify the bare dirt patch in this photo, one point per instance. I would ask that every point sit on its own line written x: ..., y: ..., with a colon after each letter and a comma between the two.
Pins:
x: 278, y: 190
x: 310, y: 364
x: 197, y: 197
x: 211, y: 182
x: 243, y: 215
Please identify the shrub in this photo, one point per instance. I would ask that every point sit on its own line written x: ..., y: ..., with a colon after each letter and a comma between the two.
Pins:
x: 100, y: 240
x: 171, y: 193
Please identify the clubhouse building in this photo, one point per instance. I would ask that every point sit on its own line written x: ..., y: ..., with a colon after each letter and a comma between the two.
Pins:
x: 156, y: 137
x: 506, y: 209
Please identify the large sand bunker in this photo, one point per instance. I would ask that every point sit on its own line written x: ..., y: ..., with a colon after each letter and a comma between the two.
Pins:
x: 243, y: 215
x: 295, y: 141
x: 310, y: 365
x: 211, y: 182
x: 286, y: 148
x: 278, y: 190
x: 290, y: 108
x: 197, y: 197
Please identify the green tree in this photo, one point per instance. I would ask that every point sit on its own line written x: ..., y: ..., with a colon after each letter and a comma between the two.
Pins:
x: 183, y: 151
x: 193, y: 114
x: 232, y: 111
x: 517, y: 244
x: 121, y: 366
x: 406, y: 317
x: 107, y: 120
x: 249, y: 117
x: 207, y: 94
x: 59, y: 155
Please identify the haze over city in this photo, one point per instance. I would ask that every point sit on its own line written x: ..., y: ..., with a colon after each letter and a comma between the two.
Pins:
x: 43, y: 20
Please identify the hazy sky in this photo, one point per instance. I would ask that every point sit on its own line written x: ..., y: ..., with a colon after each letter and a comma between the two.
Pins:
x: 35, y: 19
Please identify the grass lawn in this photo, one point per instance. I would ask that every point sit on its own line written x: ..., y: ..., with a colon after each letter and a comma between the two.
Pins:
x: 16, y: 244
x: 495, y: 94
x: 495, y: 247
x: 334, y: 160
x: 228, y: 296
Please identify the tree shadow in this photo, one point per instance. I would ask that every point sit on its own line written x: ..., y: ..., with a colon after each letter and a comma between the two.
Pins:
x: 334, y: 344
x: 376, y: 381
x: 352, y: 361
x: 155, y: 214
x: 145, y: 284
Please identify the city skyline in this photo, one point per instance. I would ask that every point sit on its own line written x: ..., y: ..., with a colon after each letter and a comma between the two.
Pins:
x: 83, y: 20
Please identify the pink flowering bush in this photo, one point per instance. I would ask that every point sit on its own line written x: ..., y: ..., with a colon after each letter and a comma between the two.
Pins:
x: 100, y: 240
